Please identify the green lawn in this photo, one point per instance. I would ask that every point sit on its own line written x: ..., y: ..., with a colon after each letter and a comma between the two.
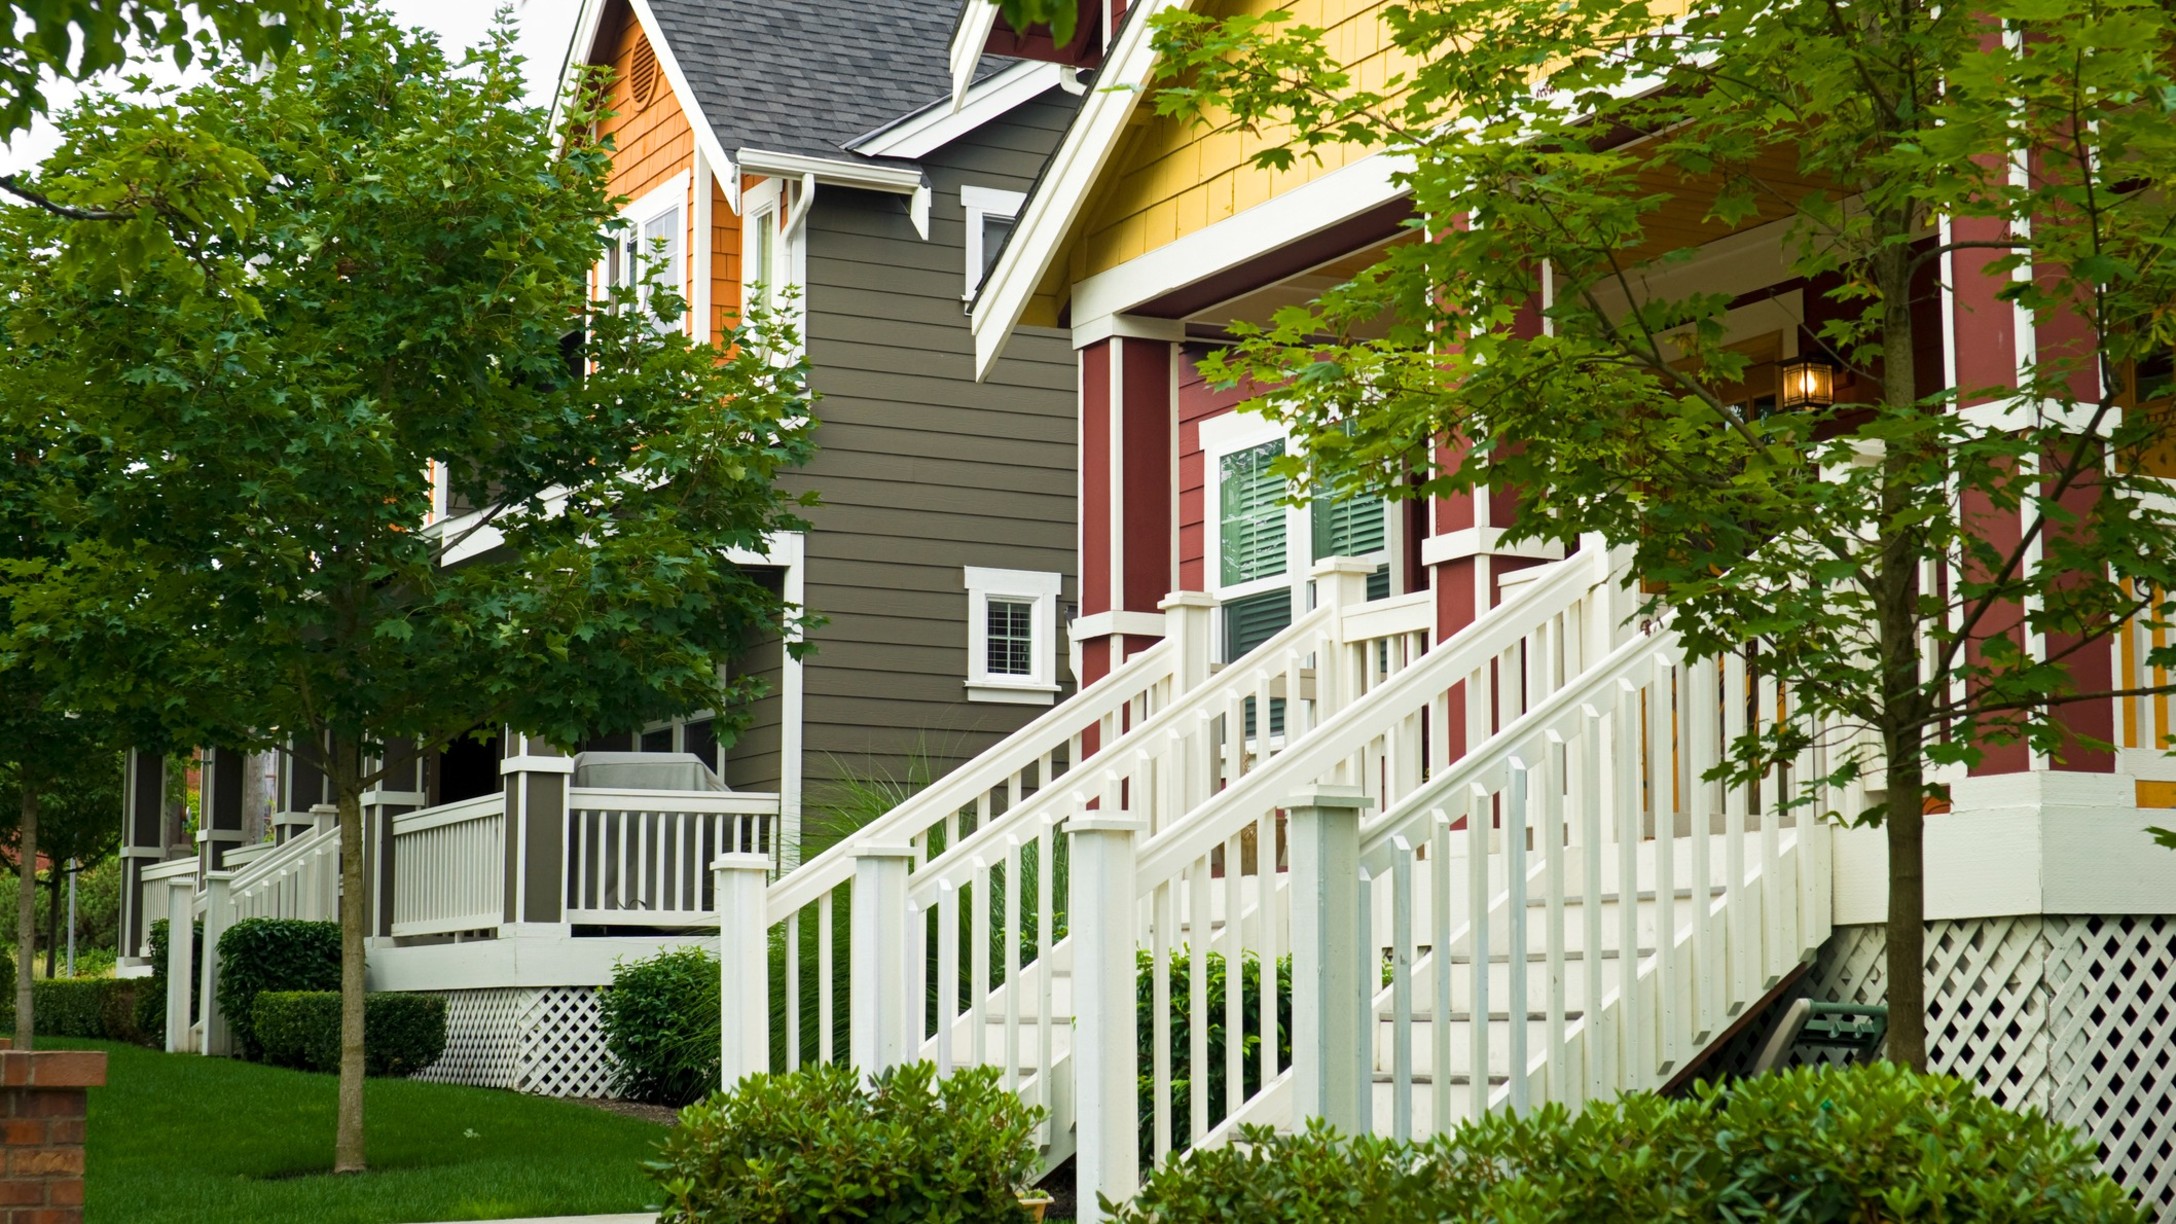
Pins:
x: 177, y: 1138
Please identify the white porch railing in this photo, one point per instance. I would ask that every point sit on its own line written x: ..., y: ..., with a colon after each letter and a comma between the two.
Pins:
x: 449, y: 867
x: 644, y: 857
x: 300, y: 878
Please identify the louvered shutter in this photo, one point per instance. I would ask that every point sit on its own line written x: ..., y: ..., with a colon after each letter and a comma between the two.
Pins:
x: 1349, y: 528
x: 1250, y: 516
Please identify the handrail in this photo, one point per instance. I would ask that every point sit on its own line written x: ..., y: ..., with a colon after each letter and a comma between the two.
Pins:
x: 450, y: 813
x: 290, y: 852
x: 955, y: 790
x: 730, y: 803
x: 1409, y: 817
x: 1350, y: 729
x: 1083, y: 784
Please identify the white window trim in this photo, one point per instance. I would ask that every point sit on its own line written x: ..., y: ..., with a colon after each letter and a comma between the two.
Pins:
x: 981, y: 203
x: 767, y: 203
x: 1041, y: 686
x: 1228, y: 434
x: 667, y: 196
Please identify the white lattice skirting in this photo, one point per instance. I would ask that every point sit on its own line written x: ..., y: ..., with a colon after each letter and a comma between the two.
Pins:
x: 545, y: 1041
x: 2073, y: 1015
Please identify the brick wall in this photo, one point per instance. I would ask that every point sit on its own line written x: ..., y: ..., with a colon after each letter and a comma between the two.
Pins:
x: 42, y: 1106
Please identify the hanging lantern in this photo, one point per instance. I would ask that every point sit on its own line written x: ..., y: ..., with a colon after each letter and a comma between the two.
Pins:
x: 1807, y: 382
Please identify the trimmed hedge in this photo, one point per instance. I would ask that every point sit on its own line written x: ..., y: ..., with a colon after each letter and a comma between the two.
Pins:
x: 402, y: 1033
x: 1827, y: 1145
x: 99, y: 1008
x: 272, y: 954
x: 660, y: 1020
x: 817, y: 1144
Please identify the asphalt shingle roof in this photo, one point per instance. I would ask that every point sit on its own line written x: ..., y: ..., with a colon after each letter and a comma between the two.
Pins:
x: 806, y: 76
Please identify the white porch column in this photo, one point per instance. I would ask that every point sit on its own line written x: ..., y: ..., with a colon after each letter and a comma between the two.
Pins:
x: 880, y: 1017
x: 1105, y: 1037
x: 1330, y: 986
x: 180, y: 944
x: 218, y: 910
x: 744, y: 971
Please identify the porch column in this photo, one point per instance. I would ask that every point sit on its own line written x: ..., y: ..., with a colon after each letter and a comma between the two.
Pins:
x: 1989, y: 346
x: 219, y: 826
x: 143, y: 798
x: 399, y: 792
x: 302, y: 786
x: 537, y: 775
x: 1128, y: 477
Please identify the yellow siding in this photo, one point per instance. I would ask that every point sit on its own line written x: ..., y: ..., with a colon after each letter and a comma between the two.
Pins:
x: 1174, y: 176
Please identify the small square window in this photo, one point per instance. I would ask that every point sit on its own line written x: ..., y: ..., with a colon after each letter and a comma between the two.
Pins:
x: 990, y: 215
x: 1012, y: 631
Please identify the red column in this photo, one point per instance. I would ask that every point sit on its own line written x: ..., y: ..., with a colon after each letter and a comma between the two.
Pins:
x: 1127, y: 486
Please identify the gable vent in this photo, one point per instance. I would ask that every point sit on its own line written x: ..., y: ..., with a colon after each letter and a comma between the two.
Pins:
x: 642, y: 74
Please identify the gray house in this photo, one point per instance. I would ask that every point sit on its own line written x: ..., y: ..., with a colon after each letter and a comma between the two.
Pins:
x: 813, y: 154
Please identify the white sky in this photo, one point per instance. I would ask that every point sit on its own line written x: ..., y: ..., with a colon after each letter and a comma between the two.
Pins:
x: 545, y: 26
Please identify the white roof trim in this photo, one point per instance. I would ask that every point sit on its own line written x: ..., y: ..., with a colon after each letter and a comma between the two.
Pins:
x: 941, y: 123
x: 584, y: 45
x: 977, y: 19
x: 1058, y: 198
x: 1302, y: 212
x: 908, y: 181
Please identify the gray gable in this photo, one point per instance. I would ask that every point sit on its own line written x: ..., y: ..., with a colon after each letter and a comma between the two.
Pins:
x: 806, y: 76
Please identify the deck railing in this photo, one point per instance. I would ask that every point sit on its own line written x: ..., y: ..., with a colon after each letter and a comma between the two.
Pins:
x: 449, y: 867
x: 637, y: 857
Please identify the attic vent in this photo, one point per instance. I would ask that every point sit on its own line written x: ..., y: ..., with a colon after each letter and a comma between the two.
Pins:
x: 642, y: 74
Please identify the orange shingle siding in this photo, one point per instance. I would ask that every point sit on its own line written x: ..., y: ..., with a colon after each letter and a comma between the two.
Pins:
x: 655, y: 142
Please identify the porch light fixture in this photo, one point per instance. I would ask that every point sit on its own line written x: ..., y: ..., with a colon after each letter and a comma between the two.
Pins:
x: 1807, y: 382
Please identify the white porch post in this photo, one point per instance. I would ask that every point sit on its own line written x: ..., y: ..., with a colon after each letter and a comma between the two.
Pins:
x: 218, y: 908
x: 180, y: 921
x: 1190, y: 627
x: 744, y: 971
x: 1105, y: 1039
x: 880, y: 1015
x: 1329, y: 983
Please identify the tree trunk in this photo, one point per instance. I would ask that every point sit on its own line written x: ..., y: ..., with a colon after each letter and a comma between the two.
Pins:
x: 347, y: 787
x: 26, y: 914
x: 1898, y: 631
x: 52, y: 915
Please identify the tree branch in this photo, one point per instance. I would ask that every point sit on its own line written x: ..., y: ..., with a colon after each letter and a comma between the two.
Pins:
x: 13, y: 185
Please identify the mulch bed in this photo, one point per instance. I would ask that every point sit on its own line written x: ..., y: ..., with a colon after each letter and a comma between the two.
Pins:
x: 663, y: 1115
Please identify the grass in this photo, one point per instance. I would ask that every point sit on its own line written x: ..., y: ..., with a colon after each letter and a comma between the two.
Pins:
x: 176, y: 1139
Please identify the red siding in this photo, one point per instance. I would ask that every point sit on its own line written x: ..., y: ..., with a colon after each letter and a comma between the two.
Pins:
x: 1198, y: 402
x: 1095, y: 480
x: 1146, y: 486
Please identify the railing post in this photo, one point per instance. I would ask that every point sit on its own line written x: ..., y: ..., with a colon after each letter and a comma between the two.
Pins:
x: 180, y: 945
x: 1330, y: 982
x: 537, y: 777
x: 1190, y: 627
x: 744, y: 970
x: 218, y: 908
x: 1105, y: 1042
x: 879, y: 1019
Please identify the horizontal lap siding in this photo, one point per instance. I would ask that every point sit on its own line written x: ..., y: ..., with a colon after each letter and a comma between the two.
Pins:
x: 922, y: 471
x: 1198, y: 401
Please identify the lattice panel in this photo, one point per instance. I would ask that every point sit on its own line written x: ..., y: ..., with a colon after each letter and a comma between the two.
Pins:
x: 483, y: 1045
x: 562, y: 1044
x: 2113, y: 992
x: 1987, y: 1006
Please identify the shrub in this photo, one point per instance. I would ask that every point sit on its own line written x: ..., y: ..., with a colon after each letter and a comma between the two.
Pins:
x: 660, y: 1019
x: 261, y: 954
x: 1250, y: 1006
x: 402, y: 1033
x: 815, y: 1144
x: 99, y: 1008
x: 1808, y: 1146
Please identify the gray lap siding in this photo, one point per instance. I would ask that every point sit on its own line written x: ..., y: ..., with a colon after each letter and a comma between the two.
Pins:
x: 923, y: 471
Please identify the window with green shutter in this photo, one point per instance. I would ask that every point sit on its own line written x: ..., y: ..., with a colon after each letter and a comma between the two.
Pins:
x: 1250, y: 515
x: 1349, y: 528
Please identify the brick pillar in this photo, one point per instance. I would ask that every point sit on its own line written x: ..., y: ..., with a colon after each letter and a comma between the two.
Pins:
x: 43, y: 1098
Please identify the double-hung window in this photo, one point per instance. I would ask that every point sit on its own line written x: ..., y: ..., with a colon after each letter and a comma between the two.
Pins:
x: 1262, y: 549
x: 648, y: 252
